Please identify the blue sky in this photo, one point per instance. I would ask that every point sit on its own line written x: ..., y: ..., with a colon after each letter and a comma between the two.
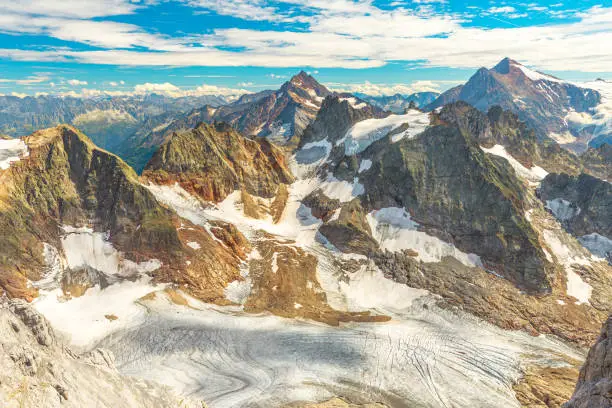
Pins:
x: 84, y: 47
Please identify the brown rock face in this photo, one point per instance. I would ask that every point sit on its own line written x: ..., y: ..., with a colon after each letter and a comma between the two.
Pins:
x: 212, y: 161
x: 67, y: 180
x: 594, y: 388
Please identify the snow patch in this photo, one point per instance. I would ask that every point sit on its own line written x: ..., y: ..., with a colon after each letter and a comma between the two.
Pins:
x: 365, y: 165
x: 342, y: 190
x: 394, y: 230
x: 369, y: 289
x: 576, y: 287
x: 83, y: 318
x: 194, y: 245
x: 534, y: 174
x: 238, y: 291
x: 85, y: 248
x: 563, y: 210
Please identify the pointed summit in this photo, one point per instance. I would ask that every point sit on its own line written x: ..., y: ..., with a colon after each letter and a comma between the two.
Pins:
x: 306, y: 82
x: 300, y: 77
x: 504, y: 66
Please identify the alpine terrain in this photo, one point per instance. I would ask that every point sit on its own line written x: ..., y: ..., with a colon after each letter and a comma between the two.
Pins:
x: 189, y: 219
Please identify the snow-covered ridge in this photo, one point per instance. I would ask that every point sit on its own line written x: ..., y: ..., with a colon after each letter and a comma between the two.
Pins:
x: 535, y: 75
x: 366, y: 132
x: 11, y: 150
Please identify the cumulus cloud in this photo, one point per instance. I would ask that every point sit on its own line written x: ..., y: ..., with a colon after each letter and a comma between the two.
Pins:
x: 371, y: 89
x: 502, y: 10
x: 166, y: 88
x: 76, y: 82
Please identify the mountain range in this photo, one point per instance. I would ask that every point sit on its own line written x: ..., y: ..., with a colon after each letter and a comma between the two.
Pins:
x: 544, y: 102
x: 398, y: 103
x: 306, y: 245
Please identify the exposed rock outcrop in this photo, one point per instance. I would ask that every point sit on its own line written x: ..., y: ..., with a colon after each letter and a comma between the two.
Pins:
x: 67, y: 180
x: 212, y: 161
x: 594, y: 388
x: 460, y: 194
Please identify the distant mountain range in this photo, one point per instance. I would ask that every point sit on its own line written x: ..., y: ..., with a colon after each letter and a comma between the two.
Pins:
x: 456, y: 216
x: 398, y: 103
x: 542, y: 101
x: 108, y: 120
x: 280, y: 116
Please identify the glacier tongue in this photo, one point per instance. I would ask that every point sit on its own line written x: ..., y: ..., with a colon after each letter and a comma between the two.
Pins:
x: 425, y: 357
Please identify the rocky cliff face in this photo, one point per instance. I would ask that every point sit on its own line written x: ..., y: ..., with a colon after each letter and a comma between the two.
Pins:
x: 598, y: 161
x: 66, y: 180
x: 67, y: 189
x: 39, y: 370
x: 583, y: 205
x: 214, y: 160
x: 503, y: 127
x: 460, y: 194
x: 540, y: 100
x: 594, y: 388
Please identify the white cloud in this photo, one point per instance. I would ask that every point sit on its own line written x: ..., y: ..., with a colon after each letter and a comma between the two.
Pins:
x: 34, y: 79
x: 339, y: 33
x: 69, y: 8
x: 502, y: 10
x: 369, y: 88
x: 165, y: 88
x: 76, y: 82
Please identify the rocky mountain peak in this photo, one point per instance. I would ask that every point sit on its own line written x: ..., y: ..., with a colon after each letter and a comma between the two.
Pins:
x: 305, y: 82
x: 505, y: 65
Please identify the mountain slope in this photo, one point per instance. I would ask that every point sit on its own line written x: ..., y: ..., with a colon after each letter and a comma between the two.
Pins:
x: 82, y: 209
x: 107, y: 120
x: 542, y: 101
x: 214, y: 160
x: 594, y: 387
x: 278, y: 115
x: 399, y: 103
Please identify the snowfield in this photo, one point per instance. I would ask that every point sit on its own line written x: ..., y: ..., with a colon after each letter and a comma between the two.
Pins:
x: 533, y: 175
x: 425, y: 357
x: 366, y: 132
x: 393, y: 229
